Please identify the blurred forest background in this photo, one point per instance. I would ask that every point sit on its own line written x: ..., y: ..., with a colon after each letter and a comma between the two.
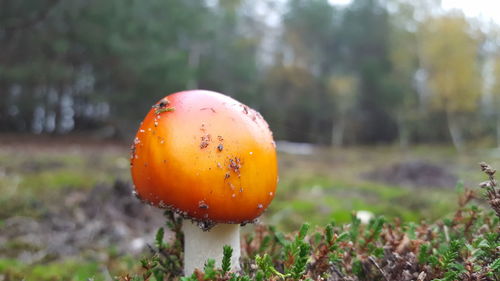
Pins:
x: 373, y: 71
x: 389, y: 105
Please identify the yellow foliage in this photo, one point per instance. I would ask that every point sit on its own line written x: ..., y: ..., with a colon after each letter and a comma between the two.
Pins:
x: 449, y: 52
x: 496, y: 85
x: 344, y: 89
x: 342, y: 85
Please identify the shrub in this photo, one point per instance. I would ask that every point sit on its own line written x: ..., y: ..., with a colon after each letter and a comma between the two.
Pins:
x: 465, y: 246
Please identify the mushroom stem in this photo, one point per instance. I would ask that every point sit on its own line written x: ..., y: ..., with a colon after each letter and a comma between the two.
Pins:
x: 199, y: 245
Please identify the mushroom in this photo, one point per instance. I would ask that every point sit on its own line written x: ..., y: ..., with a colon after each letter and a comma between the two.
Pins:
x: 212, y: 160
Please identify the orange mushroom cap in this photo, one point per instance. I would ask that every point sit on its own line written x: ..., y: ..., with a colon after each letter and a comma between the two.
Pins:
x: 206, y: 156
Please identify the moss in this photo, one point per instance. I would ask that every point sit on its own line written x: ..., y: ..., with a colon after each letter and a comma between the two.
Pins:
x: 72, y: 270
x: 69, y: 270
x: 57, y: 179
x: 318, y: 198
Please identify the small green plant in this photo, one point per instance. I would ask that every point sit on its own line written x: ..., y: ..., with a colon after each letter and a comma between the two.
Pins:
x: 226, y: 260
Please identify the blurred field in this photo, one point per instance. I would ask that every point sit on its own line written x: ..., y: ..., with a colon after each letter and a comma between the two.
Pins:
x: 66, y: 210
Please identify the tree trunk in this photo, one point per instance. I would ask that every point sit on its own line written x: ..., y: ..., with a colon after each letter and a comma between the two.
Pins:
x: 455, y: 131
x: 338, y: 131
x: 404, y: 134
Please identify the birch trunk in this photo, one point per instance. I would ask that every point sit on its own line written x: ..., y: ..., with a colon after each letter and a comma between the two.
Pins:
x: 455, y: 131
x: 404, y: 138
x: 338, y: 131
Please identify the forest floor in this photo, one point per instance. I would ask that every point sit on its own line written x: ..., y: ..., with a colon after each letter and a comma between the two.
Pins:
x: 66, y: 210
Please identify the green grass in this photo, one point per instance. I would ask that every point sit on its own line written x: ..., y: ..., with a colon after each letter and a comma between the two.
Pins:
x: 317, y: 189
x: 71, y: 270
x: 32, y: 175
x: 64, y: 178
x: 319, y: 199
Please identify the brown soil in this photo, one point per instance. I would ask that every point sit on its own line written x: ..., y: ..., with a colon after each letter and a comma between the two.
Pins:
x: 414, y: 174
x: 84, y: 222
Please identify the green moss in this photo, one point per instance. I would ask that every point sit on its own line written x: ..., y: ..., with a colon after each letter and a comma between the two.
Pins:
x: 57, y: 179
x: 6, y: 264
x: 72, y: 270
x: 317, y: 198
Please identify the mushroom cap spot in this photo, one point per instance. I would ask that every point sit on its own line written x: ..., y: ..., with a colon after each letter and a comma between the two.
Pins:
x: 196, y: 175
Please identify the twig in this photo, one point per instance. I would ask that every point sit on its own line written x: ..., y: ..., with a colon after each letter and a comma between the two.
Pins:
x: 372, y: 260
x: 421, y: 276
x: 339, y: 274
x: 446, y: 233
x: 151, y: 249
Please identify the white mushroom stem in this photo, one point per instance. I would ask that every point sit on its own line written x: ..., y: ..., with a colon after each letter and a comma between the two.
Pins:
x: 199, y: 245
